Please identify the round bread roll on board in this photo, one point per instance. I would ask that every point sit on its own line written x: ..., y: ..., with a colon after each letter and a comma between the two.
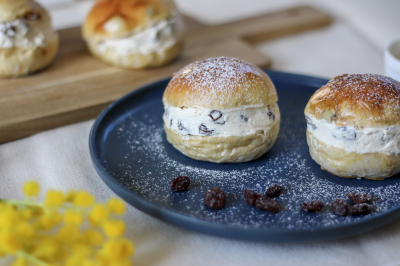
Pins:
x: 134, y: 33
x: 353, y: 126
x: 222, y: 110
x: 27, y: 40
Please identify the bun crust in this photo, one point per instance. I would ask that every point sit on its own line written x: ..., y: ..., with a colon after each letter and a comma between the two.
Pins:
x: 22, y: 61
x: 220, y: 83
x: 130, y: 16
x: 337, y: 161
x: 12, y: 10
x: 232, y: 149
x: 367, y: 100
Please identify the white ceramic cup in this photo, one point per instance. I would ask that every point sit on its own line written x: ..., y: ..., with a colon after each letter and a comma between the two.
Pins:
x: 392, y: 59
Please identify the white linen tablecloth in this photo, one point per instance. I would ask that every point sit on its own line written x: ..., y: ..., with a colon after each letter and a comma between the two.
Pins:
x: 354, y: 43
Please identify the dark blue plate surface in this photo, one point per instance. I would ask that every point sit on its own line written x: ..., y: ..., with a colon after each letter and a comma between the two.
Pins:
x: 130, y: 152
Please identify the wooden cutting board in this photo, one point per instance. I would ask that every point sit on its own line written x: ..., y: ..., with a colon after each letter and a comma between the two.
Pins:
x: 77, y: 87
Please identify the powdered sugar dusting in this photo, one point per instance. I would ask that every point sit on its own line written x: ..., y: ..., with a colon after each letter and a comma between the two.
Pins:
x: 221, y: 79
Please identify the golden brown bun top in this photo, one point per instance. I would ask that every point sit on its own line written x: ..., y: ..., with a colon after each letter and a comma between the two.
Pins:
x: 220, y: 83
x: 368, y: 100
x: 15, y: 9
x: 120, y: 18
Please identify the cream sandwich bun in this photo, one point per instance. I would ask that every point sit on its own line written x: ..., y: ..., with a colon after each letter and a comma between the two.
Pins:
x: 27, y: 40
x: 222, y: 110
x: 353, y: 126
x: 134, y: 34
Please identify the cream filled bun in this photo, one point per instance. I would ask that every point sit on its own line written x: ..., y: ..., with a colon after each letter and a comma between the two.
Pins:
x: 221, y: 110
x: 353, y: 126
x: 134, y: 33
x: 27, y: 40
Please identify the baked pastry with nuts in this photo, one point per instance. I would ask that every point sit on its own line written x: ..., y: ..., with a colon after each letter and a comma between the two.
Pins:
x: 134, y: 33
x: 27, y: 40
x: 353, y: 126
x: 221, y: 110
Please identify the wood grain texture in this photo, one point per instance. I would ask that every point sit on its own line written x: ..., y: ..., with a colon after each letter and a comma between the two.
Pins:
x: 77, y: 86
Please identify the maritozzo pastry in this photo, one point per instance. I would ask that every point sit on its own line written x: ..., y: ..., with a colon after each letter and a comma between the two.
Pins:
x: 353, y: 126
x: 221, y: 110
x: 134, y: 34
x: 27, y: 40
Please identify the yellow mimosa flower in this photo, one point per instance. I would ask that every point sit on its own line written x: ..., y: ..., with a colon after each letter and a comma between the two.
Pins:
x: 9, y: 242
x: 98, y: 214
x: 54, y: 198
x: 116, y: 206
x: 31, y: 189
x: 92, y: 237
x: 25, y: 230
x: 113, y: 228
x: 117, y: 250
x: 68, y: 233
x: 65, y: 230
x: 72, y: 217
x: 83, y: 199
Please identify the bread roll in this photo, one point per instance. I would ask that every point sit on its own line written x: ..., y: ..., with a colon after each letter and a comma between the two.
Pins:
x: 353, y: 126
x: 221, y: 110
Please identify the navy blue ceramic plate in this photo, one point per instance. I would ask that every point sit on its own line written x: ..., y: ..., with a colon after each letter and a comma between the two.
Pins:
x: 130, y: 152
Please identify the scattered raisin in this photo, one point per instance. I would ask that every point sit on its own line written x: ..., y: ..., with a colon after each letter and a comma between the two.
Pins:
x: 215, y: 198
x: 312, y: 206
x: 180, y: 183
x: 360, y: 209
x: 340, y: 207
x: 359, y: 197
x: 244, y: 118
x: 251, y: 196
x: 267, y: 204
x: 274, y: 191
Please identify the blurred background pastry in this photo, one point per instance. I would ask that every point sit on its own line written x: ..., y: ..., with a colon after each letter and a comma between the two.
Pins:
x: 27, y: 40
x: 221, y: 110
x: 134, y: 34
x: 353, y: 126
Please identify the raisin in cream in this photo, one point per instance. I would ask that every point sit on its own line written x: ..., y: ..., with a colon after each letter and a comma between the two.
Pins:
x: 198, y: 121
x: 355, y: 139
x: 24, y: 33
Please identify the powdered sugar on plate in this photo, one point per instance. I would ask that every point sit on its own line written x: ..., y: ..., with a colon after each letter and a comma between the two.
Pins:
x: 288, y: 168
x: 135, y: 152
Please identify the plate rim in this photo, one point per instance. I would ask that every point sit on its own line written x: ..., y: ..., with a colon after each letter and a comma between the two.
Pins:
x: 229, y: 231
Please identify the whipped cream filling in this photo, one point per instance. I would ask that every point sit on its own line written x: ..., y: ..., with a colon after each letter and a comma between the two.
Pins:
x: 198, y: 121
x: 23, y: 33
x: 160, y: 36
x: 356, y: 139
